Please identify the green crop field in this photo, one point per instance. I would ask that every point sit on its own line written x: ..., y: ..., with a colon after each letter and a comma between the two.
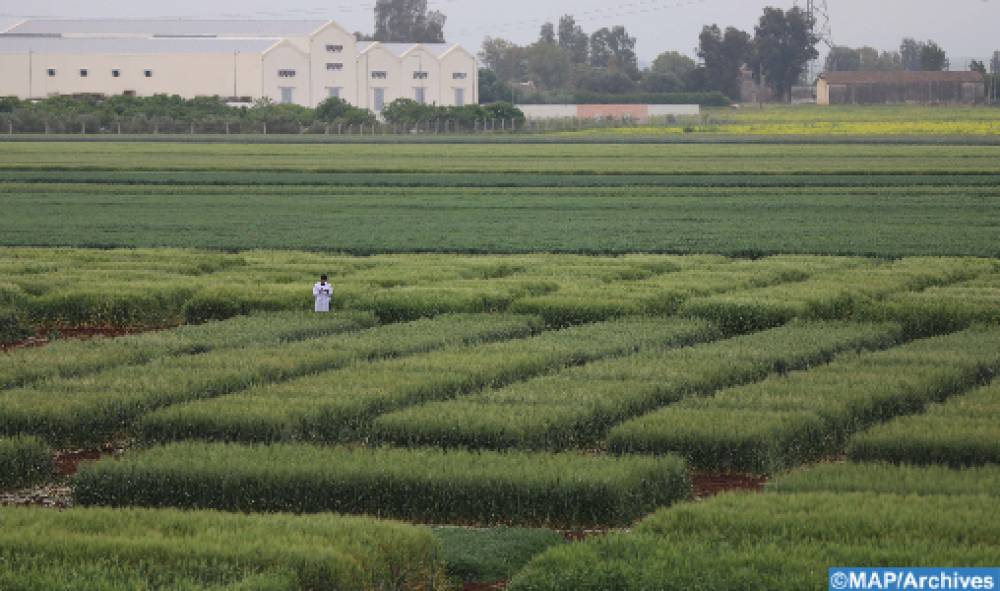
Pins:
x: 530, y: 341
x: 899, y: 200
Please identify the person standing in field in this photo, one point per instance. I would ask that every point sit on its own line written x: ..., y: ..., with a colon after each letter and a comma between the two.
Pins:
x: 323, y: 292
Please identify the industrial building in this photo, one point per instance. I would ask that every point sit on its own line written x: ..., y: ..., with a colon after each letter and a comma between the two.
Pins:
x: 887, y: 87
x: 301, y: 62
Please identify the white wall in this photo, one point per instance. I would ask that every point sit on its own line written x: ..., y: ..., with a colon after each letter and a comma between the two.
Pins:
x: 322, y: 78
x: 286, y: 57
x: 459, y: 61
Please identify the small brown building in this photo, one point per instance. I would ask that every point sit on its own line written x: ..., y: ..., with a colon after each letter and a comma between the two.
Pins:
x: 878, y: 87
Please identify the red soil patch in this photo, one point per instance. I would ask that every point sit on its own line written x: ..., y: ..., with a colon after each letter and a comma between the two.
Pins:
x: 68, y: 462
x: 708, y: 484
x: 496, y: 586
x: 41, y: 337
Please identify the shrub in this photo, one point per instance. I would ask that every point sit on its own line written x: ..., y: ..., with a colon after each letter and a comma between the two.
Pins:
x: 416, y: 484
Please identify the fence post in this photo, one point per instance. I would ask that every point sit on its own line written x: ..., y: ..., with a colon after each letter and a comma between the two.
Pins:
x: 265, y: 127
x: 10, y: 127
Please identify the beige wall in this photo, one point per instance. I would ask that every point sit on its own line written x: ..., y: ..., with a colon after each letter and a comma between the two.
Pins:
x: 322, y: 78
x: 822, y: 92
x: 188, y: 75
x: 458, y: 61
x: 251, y: 75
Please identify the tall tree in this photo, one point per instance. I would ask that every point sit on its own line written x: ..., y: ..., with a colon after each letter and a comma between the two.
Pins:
x: 995, y: 63
x: 503, y: 58
x: 842, y: 59
x: 933, y: 57
x: 547, y: 34
x: 547, y: 65
x: 873, y: 59
x: 573, y: 40
x: 723, y: 54
x: 673, y: 62
x: 614, y: 49
x: 785, y: 43
x: 407, y: 21
x: 909, y: 52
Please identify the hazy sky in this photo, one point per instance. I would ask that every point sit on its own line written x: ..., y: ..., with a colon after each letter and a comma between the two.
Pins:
x: 966, y: 28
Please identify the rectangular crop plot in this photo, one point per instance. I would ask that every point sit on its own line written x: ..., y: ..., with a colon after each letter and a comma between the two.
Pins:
x: 24, y: 461
x: 786, y: 420
x: 427, y: 485
x: 883, y: 478
x: 167, y: 549
x: 962, y: 431
x: 575, y: 407
x: 842, y: 294
x: 64, y: 359
x: 339, y: 405
x: 778, y: 542
x: 94, y: 408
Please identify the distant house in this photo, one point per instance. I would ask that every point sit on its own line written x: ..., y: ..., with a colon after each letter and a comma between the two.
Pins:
x: 877, y: 87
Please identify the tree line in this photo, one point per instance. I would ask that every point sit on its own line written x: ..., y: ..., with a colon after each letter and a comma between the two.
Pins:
x: 566, y: 59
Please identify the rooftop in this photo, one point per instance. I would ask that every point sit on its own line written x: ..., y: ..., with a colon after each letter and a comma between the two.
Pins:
x: 19, y: 44
x: 166, y: 28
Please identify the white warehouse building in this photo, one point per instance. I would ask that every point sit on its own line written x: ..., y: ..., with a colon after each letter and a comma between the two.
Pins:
x: 302, y: 62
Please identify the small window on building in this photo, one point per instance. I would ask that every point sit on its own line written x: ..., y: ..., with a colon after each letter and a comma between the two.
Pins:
x: 380, y: 75
x: 147, y: 73
x: 418, y: 75
x: 116, y: 73
x: 459, y: 76
x: 129, y: 93
x: 459, y: 97
x: 287, y: 95
x: 333, y: 91
x: 84, y: 72
x: 334, y: 66
x: 286, y: 73
x: 420, y: 95
x: 52, y: 72
x: 334, y: 48
x: 379, y: 95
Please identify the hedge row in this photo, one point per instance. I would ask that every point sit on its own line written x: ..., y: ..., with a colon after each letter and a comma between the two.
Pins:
x: 963, y: 431
x: 24, y: 461
x: 580, y: 300
x: 425, y: 485
x: 849, y: 294
x: 91, y: 409
x: 166, y: 549
x: 882, y: 478
x: 785, y: 421
x: 574, y: 408
x: 773, y: 542
x: 339, y: 405
x: 65, y: 359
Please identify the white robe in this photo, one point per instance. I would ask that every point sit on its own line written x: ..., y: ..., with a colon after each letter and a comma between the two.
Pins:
x: 322, y: 292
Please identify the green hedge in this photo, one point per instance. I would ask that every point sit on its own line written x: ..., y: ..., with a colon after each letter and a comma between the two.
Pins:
x: 785, y: 421
x: 165, y: 549
x: 426, y: 485
x: 69, y: 358
x: 772, y: 542
x: 24, y: 461
x: 963, y: 431
x: 878, y: 477
x: 575, y: 408
x: 93, y: 409
x: 340, y: 405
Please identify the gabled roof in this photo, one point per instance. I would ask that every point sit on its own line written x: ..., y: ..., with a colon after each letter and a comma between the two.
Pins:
x: 402, y: 49
x: 898, y: 77
x: 23, y: 44
x: 167, y: 28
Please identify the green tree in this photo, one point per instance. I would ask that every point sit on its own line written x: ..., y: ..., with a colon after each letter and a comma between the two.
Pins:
x: 910, y: 51
x: 336, y: 110
x: 573, y: 40
x: 654, y: 81
x: 873, y: 59
x: 548, y: 65
x: 933, y: 57
x: 504, y: 58
x: 673, y: 62
x: 408, y: 21
x: 614, y: 49
x: 977, y: 66
x: 547, y: 34
x: 491, y: 88
x: 842, y: 59
x: 784, y: 43
x: 723, y: 54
